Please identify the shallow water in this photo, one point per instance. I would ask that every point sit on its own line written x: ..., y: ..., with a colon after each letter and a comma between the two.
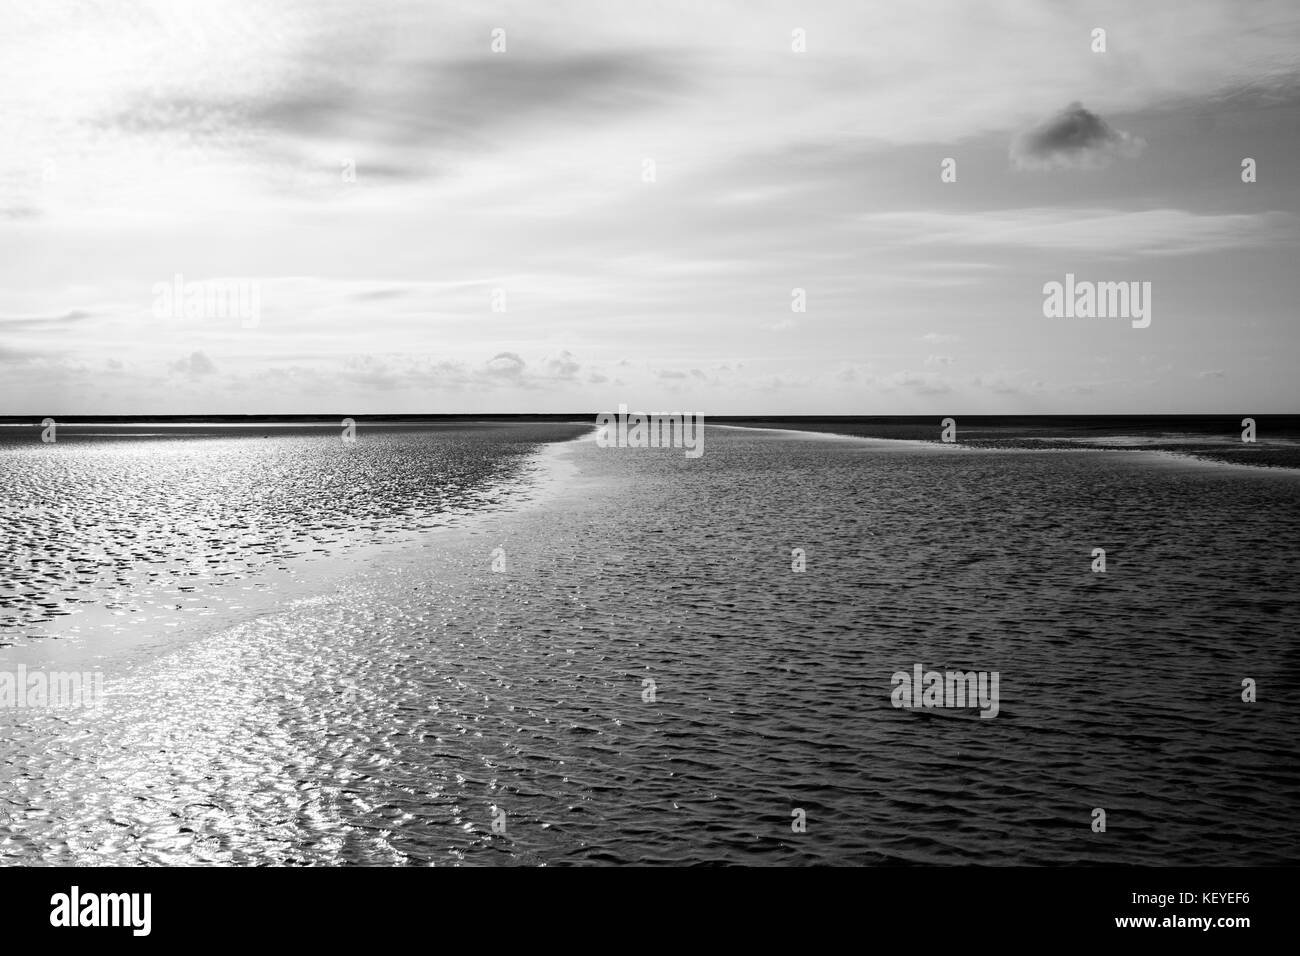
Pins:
x: 392, y: 718
x: 126, y: 518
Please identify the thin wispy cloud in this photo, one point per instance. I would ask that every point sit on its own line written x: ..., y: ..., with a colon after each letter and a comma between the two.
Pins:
x: 1103, y: 232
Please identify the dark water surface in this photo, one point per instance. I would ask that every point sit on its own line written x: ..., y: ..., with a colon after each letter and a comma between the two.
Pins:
x: 393, y: 717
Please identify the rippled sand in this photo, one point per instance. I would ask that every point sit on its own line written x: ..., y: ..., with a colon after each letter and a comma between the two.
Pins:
x: 392, y: 718
x: 120, y: 521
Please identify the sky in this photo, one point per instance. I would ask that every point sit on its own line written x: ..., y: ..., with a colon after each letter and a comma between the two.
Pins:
x: 724, y: 208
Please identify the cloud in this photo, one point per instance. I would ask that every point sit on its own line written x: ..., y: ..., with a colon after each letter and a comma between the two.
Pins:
x: 855, y: 374
x: 416, y: 113
x: 507, y: 365
x: 416, y: 374
x: 1001, y: 385
x: 17, y: 323
x: 1112, y: 232
x: 13, y: 356
x: 776, y: 383
x: 922, y: 383
x: 382, y: 294
x: 196, y: 366
x: 370, y: 371
x: 1074, y: 138
x: 563, y: 366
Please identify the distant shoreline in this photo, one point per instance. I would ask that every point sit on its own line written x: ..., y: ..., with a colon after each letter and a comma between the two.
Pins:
x: 1206, y: 423
x: 1214, y: 438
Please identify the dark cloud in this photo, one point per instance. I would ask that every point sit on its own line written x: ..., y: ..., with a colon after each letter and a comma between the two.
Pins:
x: 196, y: 366
x: 447, y: 102
x: 413, y: 114
x: 1074, y: 138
